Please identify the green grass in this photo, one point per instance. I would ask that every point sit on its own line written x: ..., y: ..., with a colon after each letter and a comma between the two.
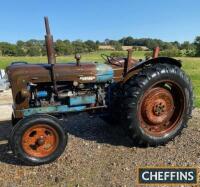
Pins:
x: 91, y: 57
x: 190, y: 65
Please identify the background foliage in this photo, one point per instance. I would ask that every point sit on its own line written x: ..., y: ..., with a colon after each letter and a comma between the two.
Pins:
x: 65, y: 47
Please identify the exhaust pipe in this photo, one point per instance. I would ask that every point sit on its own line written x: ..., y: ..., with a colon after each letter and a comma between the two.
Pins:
x: 156, y: 52
x: 50, y: 53
x: 49, y: 43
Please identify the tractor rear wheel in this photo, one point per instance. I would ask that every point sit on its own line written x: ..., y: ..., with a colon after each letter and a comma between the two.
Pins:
x: 158, y: 103
x: 38, y: 139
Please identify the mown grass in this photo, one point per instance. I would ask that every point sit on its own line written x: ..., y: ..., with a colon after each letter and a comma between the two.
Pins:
x: 190, y: 65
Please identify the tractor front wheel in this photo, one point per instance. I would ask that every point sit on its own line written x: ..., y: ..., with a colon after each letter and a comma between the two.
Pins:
x: 38, y: 139
x: 158, y: 103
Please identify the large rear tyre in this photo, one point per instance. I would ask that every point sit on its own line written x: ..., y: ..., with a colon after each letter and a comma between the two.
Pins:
x: 157, y: 105
x: 38, y: 139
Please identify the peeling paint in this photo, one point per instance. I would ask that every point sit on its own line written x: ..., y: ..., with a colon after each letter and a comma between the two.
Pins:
x: 52, y: 109
x: 104, y: 73
x: 82, y: 100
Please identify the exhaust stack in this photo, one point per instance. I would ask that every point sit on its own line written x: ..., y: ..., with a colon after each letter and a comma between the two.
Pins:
x: 50, y: 54
x: 49, y: 43
x: 156, y: 52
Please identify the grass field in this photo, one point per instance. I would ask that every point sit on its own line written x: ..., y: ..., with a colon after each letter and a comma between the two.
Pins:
x: 192, y: 68
x: 91, y: 57
x: 190, y: 65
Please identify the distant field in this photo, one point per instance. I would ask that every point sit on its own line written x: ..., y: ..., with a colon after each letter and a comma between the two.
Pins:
x: 91, y: 57
x: 190, y: 65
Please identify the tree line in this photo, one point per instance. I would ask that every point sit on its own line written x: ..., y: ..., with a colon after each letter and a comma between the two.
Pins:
x: 37, y: 47
x: 66, y: 47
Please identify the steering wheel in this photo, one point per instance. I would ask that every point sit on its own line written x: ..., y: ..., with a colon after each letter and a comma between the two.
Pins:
x: 112, y: 60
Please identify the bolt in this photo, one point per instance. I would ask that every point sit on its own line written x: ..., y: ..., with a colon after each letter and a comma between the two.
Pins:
x: 40, y: 141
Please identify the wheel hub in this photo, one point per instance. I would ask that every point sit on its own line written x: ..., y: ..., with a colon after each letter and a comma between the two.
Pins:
x: 157, y: 106
x: 40, y: 140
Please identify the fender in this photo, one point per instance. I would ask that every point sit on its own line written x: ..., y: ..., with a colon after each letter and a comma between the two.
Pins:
x: 135, y: 69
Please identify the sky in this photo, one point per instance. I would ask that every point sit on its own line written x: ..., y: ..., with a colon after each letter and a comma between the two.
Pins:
x: 169, y: 20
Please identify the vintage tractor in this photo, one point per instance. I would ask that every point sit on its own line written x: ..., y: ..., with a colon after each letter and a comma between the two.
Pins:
x: 152, y: 99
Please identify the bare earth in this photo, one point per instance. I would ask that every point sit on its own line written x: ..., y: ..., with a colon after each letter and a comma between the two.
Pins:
x: 97, y: 154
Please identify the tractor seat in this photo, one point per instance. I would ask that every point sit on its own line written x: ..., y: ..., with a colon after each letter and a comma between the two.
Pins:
x: 119, y: 61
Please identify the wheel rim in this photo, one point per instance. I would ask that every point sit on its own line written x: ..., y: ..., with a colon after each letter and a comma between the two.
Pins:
x: 161, y: 108
x: 40, y: 140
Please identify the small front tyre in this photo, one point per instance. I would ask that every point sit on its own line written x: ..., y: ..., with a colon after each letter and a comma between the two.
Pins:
x: 38, y: 139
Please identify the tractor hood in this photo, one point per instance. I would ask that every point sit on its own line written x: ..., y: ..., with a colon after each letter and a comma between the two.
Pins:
x: 84, y: 73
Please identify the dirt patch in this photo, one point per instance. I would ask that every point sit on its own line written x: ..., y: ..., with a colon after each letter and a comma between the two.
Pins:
x: 98, y: 155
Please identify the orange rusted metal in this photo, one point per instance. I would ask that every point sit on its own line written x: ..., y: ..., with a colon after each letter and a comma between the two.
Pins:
x: 40, y: 140
x: 49, y: 43
x: 160, y: 110
x: 156, y: 52
x: 128, y: 61
x: 158, y: 106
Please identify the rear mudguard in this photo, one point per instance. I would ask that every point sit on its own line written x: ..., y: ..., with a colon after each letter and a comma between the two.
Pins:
x: 134, y: 70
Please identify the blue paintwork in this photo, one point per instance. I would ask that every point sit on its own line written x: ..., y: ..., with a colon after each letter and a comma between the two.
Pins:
x: 52, y: 109
x: 104, y: 73
x: 82, y: 100
x: 42, y: 94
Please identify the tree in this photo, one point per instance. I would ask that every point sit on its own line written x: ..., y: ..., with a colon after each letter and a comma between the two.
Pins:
x: 60, y: 47
x: 116, y: 45
x: 34, y: 47
x: 7, y: 49
x: 20, y: 51
x: 79, y: 46
x: 173, y: 52
x: 68, y: 47
x: 20, y: 43
x: 34, y: 51
x: 176, y: 44
x: 127, y: 41
x: 106, y: 41
x: 91, y: 45
x: 97, y: 43
x: 186, y: 45
x: 197, y: 45
x: 20, y: 48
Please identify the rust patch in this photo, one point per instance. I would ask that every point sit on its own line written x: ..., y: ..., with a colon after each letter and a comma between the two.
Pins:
x: 40, y: 141
x: 161, y: 108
